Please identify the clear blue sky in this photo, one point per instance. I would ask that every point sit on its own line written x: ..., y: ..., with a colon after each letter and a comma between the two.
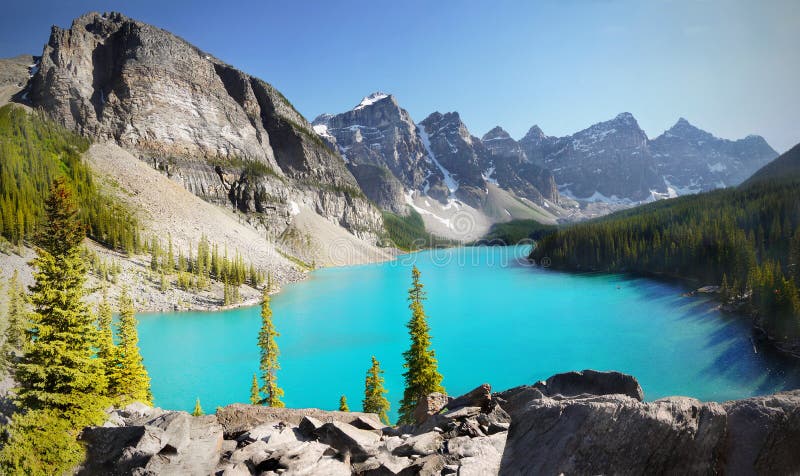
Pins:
x: 730, y: 67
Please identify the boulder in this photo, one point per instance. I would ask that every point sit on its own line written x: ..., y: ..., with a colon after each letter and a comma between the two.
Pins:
x: 428, y: 405
x: 591, y: 382
x: 615, y: 434
x: 309, y: 425
x: 348, y: 440
x: 477, y: 397
x: 763, y: 435
x: 309, y: 457
x: 239, y: 418
x: 478, y: 456
x: 423, y: 445
x: 173, y: 442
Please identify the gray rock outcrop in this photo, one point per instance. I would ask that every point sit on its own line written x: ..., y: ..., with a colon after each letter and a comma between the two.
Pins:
x: 574, y: 423
x: 226, y: 136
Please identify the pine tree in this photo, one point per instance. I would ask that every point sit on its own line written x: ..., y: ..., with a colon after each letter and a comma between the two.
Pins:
x: 131, y: 382
x: 58, y: 370
x: 724, y: 289
x: 422, y: 375
x: 269, y: 356
x: 15, y: 315
x: 374, y: 400
x: 255, y: 395
x: 198, y: 410
x: 343, y: 404
x: 794, y: 257
x: 106, y: 350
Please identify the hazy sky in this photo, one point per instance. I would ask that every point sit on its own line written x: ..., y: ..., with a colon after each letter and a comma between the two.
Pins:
x: 730, y: 67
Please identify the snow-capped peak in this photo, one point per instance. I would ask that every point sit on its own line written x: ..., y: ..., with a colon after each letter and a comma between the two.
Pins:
x: 371, y: 99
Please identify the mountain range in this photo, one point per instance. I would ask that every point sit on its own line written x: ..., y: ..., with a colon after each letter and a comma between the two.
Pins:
x: 234, y: 140
x: 612, y: 162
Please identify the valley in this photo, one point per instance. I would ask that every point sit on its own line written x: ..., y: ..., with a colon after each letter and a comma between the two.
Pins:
x: 177, y: 238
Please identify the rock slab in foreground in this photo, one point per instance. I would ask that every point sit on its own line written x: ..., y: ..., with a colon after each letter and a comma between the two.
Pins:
x: 576, y: 423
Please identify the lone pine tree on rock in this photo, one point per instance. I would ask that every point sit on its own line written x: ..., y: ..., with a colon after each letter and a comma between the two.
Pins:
x: 343, y: 404
x: 422, y: 375
x: 269, y: 355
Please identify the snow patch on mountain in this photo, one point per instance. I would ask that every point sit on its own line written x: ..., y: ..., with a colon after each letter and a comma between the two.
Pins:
x: 370, y: 100
x: 449, y: 181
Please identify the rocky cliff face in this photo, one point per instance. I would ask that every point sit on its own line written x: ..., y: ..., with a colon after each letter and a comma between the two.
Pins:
x: 692, y: 160
x: 575, y: 423
x: 513, y: 170
x: 391, y: 156
x: 226, y: 136
x: 380, y: 144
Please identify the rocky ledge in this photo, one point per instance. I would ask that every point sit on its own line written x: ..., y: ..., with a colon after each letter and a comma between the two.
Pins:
x: 574, y: 423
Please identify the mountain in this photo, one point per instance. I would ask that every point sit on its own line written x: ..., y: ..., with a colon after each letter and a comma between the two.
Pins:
x: 382, y: 148
x: 691, y: 160
x: 609, y: 161
x: 437, y: 168
x: 614, y: 161
x: 785, y: 167
x: 226, y: 136
x: 513, y: 170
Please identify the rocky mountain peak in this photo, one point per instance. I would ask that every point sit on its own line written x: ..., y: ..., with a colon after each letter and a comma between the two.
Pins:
x: 374, y: 98
x: 687, y: 130
x: 496, y: 133
x: 226, y: 136
x: 535, y: 133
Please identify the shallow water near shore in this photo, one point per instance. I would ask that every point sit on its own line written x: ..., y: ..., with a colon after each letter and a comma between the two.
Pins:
x: 493, y: 319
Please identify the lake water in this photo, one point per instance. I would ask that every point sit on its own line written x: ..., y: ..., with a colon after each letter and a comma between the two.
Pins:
x: 493, y: 319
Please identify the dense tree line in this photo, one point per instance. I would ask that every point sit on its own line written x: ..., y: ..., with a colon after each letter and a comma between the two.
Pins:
x: 196, y: 269
x: 33, y: 152
x: 408, y: 232
x: 747, y: 239
x: 68, y: 368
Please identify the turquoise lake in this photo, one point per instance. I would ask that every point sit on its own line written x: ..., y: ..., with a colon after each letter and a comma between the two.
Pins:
x: 493, y: 319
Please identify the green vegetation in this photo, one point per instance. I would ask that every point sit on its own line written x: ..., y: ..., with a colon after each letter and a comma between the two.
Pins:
x: 197, y: 270
x: 106, y: 350
x: 343, y: 404
x: 198, y: 410
x: 58, y: 370
x: 16, y: 320
x: 744, y: 236
x: 374, y: 391
x: 255, y: 397
x: 40, y: 443
x: 35, y: 151
x: 517, y: 231
x: 408, y: 232
x: 422, y: 375
x: 269, y: 356
x: 130, y: 382
x: 62, y: 386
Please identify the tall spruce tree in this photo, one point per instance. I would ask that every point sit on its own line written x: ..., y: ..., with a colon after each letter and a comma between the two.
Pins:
x: 58, y: 370
x: 374, y: 391
x: 269, y: 356
x: 255, y: 396
x: 131, y: 382
x: 15, y: 315
x: 106, y: 350
x: 422, y: 375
